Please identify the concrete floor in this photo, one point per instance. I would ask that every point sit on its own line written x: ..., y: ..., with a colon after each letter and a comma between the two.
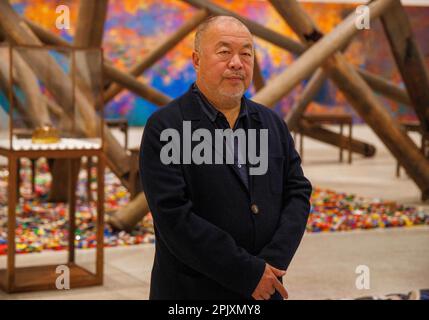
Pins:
x: 325, y: 264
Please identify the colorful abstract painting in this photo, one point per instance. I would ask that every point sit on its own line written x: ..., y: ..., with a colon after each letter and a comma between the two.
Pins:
x: 134, y: 27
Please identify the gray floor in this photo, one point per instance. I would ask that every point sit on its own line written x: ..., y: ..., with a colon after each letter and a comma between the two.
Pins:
x: 325, y: 264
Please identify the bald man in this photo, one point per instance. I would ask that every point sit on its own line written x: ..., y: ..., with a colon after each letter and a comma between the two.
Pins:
x: 223, y: 180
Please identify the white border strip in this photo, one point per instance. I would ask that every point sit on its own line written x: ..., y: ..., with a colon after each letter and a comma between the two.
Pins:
x: 419, y: 3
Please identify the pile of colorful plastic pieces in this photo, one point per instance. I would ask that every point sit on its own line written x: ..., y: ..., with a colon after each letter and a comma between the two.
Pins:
x: 42, y: 225
x: 333, y: 211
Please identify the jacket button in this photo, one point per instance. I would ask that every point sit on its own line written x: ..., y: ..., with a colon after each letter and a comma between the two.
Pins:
x: 254, y: 208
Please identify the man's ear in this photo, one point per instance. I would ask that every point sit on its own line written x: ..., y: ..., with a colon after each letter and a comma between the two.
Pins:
x: 196, y: 60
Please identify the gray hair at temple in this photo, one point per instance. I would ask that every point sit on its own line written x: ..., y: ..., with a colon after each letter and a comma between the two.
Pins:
x: 202, y: 28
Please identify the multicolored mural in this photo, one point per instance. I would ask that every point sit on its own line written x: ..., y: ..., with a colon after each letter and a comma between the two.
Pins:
x: 134, y: 27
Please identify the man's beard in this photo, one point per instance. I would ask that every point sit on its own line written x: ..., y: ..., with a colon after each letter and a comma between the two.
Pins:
x: 236, y: 94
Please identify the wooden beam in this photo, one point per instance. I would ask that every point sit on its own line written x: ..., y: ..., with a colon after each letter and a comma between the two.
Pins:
x: 310, y: 32
x: 159, y: 51
x: 255, y: 28
x: 141, y: 89
x: 28, y: 121
x: 90, y: 23
x: 89, y: 34
x: 359, y: 94
x: 136, y: 86
x: 2, y: 35
x: 258, y: 78
x: 55, y: 109
x: 317, y: 132
x: 28, y: 83
x: 390, y: 90
x: 35, y: 112
x: 361, y: 97
x: 384, y: 87
x: 297, y: 19
x: 127, y: 217
x: 409, y: 59
x: 314, y: 56
x: 59, y: 84
x: 376, y: 82
x: 327, y: 136
x: 46, y: 36
x: 311, y: 89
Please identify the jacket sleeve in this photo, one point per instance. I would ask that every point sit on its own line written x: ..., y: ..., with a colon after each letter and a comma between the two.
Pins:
x: 193, y: 240
x: 296, y: 207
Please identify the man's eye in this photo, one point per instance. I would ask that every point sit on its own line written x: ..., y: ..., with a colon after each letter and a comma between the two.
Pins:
x: 247, y: 54
x: 224, y: 52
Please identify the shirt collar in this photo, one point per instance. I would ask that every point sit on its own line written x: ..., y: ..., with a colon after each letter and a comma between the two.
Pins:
x: 211, y: 112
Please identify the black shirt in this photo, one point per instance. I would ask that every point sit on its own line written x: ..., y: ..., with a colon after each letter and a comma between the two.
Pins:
x: 220, y: 122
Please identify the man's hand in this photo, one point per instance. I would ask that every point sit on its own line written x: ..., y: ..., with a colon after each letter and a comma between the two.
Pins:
x: 269, y: 284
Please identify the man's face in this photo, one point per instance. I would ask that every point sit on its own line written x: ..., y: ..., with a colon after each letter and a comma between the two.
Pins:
x: 224, y: 64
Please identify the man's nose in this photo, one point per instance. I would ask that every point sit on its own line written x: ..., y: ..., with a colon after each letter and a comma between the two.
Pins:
x: 235, y: 62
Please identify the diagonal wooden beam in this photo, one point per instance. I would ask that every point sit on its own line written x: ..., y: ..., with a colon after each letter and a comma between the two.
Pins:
x: 59, y: 84
x: 357, y: 92
x: 390, y: 90
x: 89, y: 34
x: 159, y: 51
x: 311, y: 89
x: 293, y: 14
x: 294, y: 120
x: 384, y: 87
x: 327, y: 45
x: 90, y: 24
x: 33, y: 109
x: 2, y: 35
x: 46, y: 36
x: 366, y: 104
x: 139, y: 88
x: 376, y: 82
x: 258, y: 78
x: 27, y: 120
x: 136, y: 86
x: 312, y: 58
x: 255, y: 28
x: 409, y: 60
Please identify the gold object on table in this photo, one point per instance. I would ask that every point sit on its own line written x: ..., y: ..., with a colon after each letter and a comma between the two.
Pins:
x: 45, y: 134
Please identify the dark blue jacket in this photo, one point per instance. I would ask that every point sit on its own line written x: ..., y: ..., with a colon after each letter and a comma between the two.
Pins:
x: 209, y: 242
